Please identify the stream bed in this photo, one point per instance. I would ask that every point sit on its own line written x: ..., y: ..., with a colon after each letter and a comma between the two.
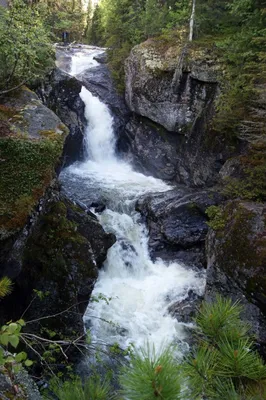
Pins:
x: 141, y: 290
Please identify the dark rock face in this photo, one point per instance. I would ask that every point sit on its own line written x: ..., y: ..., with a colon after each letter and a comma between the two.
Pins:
x: 60, y: 92
x: 177, y: 224
x: 170, y: 86
x: 99, y: 82
x: 101, y: 58
x: 237, y: 262
x: 58, y: 256
x: 174, y: 89
x: 186, y: 310
x: 149, y: 149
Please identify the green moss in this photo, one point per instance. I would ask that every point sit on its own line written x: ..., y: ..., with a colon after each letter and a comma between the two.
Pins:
x: 56, y: 251
x: 252, y: 185
x: 26, y: 169
x: 217, y: 218
x: 236, y: 246
x: 57, y: 240
x: 240, y: 250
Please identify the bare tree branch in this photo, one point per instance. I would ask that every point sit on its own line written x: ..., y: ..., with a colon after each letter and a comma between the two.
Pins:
x: 11, y: 90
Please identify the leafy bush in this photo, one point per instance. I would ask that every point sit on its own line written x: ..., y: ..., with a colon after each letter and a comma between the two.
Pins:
x: 151, y: 376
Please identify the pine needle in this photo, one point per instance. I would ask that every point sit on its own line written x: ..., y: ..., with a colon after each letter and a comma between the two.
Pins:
x: 5, y: 287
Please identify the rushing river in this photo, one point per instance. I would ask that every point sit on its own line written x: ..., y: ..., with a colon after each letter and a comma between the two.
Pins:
x: 140, y: 290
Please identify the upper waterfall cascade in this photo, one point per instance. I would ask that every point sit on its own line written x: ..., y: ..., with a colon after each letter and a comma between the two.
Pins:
x: 140, y: 290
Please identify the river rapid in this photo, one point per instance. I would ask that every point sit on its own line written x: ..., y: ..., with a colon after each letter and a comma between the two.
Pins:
x: 141, y: 290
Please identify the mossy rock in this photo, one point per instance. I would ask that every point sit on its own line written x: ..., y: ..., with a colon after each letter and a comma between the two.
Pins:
x: 27, y: 168
x: 250, y: 184
x: 238, y: 248
x: 29, y: 157
x: 59, y: 265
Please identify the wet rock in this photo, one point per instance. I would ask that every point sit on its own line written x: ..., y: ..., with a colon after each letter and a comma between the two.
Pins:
x: 236, y: 255
x: 177, y: 223
x: 60, y: 92
x: 150, y: 149
x: 99, y: 207
x: 101, y: 58
x: 186, y: 310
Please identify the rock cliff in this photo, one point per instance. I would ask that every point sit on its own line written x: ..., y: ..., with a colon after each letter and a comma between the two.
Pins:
x: 172, y: 90
x: 174, y: 87
x: 47, y: 243
x: 236, y: 251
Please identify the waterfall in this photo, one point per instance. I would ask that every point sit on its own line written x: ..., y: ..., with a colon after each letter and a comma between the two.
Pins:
x: 99, y: 137
x: 140, y: 290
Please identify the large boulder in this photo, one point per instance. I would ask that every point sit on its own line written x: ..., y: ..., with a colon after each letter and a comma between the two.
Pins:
x: 177, y: 224
x: 236, y: 253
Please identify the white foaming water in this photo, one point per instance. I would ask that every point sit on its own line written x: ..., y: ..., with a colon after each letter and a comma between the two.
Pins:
x: 99, y: 137
x: 141, y: 290
x: 83, y: 60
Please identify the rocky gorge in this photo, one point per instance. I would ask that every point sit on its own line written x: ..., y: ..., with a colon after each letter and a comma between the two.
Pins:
x: 167, y: 132
x: 56, y: 245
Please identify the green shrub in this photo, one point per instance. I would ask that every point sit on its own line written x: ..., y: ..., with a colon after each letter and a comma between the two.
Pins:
x: 5, y: 286
x: 217, y: 220
x: 224, y: 364
x: 93, y: 389
x: 26, y: 52
x: 151, y: 376
x: 221, y: 320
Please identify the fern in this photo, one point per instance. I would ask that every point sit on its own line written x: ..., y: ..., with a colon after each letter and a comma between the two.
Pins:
x: 5, y: 287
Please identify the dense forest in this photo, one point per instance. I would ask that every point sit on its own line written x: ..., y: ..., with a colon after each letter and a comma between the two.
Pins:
x: 225, y: 360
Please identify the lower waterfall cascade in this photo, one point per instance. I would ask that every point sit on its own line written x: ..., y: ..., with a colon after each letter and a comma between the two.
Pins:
x: 141, y: 290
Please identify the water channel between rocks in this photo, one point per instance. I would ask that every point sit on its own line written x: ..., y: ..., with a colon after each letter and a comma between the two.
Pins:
x: 141, y: 290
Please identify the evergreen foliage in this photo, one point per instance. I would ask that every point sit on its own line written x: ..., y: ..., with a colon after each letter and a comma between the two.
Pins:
x: 224, y: 364
x: 220, y: 320
x: 26, y: 51
x: 5, y: 287
x: 93, y: 389
x: 151, y: 376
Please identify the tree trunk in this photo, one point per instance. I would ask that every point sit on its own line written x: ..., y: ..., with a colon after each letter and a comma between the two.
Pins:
x: 192, y: 20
